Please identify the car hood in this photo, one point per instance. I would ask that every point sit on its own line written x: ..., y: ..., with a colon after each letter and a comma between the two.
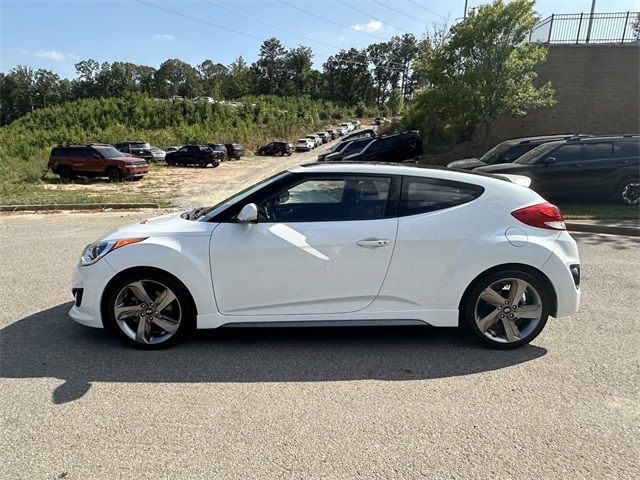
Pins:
x: 503, y: 168
x: 466, y: 164
x: 165, y: 225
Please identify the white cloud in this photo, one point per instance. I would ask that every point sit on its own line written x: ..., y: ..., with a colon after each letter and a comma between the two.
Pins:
x: 163, y: 36
x: 370, y: 26
x: 50, y: 54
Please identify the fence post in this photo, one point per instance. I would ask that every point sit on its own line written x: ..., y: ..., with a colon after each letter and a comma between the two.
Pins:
x: 579, y: 27
x: 624, y: 30
x: 550, y: 29
x: 593, y: 7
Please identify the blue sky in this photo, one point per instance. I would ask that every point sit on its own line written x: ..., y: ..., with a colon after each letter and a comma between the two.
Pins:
x: 55, y: 34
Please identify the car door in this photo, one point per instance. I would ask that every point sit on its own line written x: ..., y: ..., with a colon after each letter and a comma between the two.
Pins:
x: 562, y: 176
x: 322, y: 244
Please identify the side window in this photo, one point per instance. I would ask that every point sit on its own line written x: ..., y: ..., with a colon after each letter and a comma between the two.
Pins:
x: 516, y: 152
x: 626, y: 149
x: 566, y: 153
x: 421, y: 195
x: 184, y: 149
x: 596, y: 151
x: 328, y: 199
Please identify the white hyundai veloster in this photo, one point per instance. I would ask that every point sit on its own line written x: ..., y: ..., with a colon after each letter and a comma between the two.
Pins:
x: 340, y: 244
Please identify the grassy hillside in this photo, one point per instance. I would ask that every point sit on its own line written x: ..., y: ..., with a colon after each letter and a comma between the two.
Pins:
x: 26, y: 143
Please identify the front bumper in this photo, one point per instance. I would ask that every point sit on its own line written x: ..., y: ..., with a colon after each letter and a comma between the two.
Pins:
x: 136, y: 171
x: 90, y: 281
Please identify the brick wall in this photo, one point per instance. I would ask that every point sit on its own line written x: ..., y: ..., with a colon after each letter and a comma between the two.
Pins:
x: 597, y: 91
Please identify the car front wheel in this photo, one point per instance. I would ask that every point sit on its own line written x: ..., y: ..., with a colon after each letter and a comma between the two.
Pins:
x: 114, y: 174
x: 507, y: 309
x: 149, y: 310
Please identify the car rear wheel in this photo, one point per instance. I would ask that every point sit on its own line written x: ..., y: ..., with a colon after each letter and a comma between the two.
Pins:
x: 149, y: 310
x: 202, y: 163
x: 507, y: 309
x: 170, y: 162
x: 628, y: 192
x: 263, y: 153
x: 114, y: 174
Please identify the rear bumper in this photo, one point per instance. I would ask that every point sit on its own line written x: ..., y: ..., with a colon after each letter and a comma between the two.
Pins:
x: 558, y: 268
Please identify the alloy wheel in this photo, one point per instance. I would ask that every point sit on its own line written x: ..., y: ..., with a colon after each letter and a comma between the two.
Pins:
x: 147, y: 312
x: 630, y: 192
x: 508, y: 310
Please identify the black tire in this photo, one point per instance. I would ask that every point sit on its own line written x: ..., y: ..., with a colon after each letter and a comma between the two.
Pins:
x: 187, y: 308
x: 65, y: 172
x: 627, y: 191
x: 202, y: 163
x: 468, y: 310
x: 263, y: 153
x: 114, y: 174
x: 215, y: 164
x: 170, y: 162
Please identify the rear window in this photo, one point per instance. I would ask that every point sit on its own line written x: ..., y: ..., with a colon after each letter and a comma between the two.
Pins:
x: 422, y: 195
x: 626, y: 149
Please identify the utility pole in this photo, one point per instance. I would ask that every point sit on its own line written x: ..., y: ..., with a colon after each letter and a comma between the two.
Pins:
x: 593, y: 7
x: 466, y: 2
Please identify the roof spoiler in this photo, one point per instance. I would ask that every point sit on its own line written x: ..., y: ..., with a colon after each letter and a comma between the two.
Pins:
x: 517, y: 179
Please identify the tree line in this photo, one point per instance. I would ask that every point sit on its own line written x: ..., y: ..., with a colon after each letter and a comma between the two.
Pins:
x: 366, y: 76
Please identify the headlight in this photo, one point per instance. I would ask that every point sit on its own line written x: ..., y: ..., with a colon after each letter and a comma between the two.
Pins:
x: 95, y: 251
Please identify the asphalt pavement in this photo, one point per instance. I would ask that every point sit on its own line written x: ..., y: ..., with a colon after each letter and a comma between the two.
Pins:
x: 391, y: 403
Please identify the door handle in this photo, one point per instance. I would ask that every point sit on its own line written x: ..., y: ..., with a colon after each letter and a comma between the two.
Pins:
x: 373, y: 242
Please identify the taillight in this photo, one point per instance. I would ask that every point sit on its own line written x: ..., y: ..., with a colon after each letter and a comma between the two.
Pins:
x: 542, y: 215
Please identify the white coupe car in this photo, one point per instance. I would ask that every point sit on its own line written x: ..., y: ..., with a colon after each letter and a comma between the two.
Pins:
x: 340, y: 244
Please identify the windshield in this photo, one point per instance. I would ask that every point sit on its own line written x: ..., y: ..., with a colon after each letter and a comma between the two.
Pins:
x: 532, y: 156
x: 495, y: 153
x: 204, y: 214
x: 110, y: 152
x: 140, y: 145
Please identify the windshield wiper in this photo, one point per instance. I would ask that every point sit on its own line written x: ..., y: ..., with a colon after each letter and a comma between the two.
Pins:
x: 195, y: 213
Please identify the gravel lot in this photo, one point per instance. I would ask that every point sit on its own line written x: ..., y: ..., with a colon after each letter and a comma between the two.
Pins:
x: 330, y: 403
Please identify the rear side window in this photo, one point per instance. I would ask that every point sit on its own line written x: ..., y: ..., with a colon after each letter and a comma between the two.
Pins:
x: 422, y: 195
x: 626, y: 149
x: 597, y: 151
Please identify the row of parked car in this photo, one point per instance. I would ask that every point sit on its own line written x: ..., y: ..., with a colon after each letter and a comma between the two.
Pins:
x: 309, y: 142
x: 129, y: 159
x: 569, y: 165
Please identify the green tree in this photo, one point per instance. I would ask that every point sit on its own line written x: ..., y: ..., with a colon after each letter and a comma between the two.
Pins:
x: 214, y: 76
x: 239, y: 81
x: 395, y: 104
x: 270, y: 67
x: 175, y: 77
x: 484, y: 69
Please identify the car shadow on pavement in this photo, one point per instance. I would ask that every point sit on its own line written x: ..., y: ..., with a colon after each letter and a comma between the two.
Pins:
x: 49, y: 344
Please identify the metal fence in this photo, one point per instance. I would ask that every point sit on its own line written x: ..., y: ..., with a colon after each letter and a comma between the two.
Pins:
x: 586, y: 28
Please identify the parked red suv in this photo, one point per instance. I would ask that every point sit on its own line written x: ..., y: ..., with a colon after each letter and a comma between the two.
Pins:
x: 95, y: 160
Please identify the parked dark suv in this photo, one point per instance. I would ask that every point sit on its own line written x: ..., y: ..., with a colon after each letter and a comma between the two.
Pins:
x: 597, y: 167
x: 344, y: 149
x: 95, y: 160
x: 402, y: 147
x: 510, y: 150
x: 200, y: 155
x: 220, y: 150
x: 276, y: 148
x: 234, y: 150
x: 138, y: 149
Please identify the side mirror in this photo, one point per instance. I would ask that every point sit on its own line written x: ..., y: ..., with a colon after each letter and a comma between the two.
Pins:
x: 248, y: 214
x: 549, y: 160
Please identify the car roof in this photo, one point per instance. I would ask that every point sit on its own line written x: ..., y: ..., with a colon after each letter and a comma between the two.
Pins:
x: 398, y: 169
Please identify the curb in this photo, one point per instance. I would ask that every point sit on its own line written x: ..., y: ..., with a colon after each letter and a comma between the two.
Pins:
x: 607, y: 229
x: 76, y: 206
